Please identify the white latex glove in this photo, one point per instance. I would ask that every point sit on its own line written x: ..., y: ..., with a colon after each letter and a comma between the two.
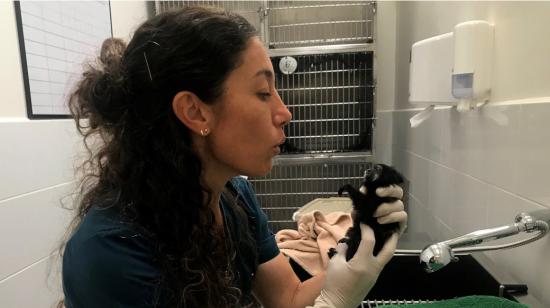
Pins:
x: 347, y: 283
x: 392, y: 211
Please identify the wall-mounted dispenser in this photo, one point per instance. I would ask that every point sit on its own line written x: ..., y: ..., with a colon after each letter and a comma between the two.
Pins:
x: 473, y: 63
x: 452, y: 69
x: 431, y: 67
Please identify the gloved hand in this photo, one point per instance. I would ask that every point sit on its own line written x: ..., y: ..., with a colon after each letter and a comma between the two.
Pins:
x: 392, y: 211
x: 347, y: 283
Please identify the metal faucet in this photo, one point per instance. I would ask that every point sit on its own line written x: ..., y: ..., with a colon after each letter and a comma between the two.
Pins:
x: 438, y: 255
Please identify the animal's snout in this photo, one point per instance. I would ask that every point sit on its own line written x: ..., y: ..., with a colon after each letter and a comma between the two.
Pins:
x: 372, y: 174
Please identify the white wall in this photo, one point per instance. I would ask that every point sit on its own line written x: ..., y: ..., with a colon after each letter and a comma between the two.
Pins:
x: 126, y: 16
x: 12, y: 103
x: 36, y: 172
x: 385, y: 76
x: 479, y: 169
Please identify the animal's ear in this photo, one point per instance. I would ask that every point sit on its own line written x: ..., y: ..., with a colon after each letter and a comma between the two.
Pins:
x: 363, y: 189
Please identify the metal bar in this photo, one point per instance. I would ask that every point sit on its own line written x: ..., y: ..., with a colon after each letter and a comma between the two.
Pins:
x: 323, y: 97
x: 323, y: 193
x: 284, y: 221
x: 317, y: 113
x: 318, y: 23
x: 329, y: 49
x: 306, y: 114
x: 324, y: 88
x: 393, y: 301
x: 322, y: 158
x: 325, y: 40
x: 323, y: 136
x: 331, y: 71
x: 347, y: 140
x: 290, y: 179
x: 293, y: 99
x: 338, y: 96
x: 317, y: 6
x: 330, y: 120
x: 283, y: 208
x: 263, y: 15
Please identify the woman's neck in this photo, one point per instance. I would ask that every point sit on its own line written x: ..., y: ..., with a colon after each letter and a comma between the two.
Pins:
x: 214, y: 176
x: 215, y: 182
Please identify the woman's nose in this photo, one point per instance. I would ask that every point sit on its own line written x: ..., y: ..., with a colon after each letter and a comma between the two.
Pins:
x: 282, y: 114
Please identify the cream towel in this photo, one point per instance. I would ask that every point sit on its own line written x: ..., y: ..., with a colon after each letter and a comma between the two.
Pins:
x: 317, y: 233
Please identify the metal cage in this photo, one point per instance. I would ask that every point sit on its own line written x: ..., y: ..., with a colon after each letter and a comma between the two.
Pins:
x: 286, y: 24
x: 316, y: 23
x: 247, y: 9
x: 331, y: 99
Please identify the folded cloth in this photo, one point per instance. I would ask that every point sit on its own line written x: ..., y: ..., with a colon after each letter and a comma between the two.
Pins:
x: 481, y: 301
x: 317, y: 233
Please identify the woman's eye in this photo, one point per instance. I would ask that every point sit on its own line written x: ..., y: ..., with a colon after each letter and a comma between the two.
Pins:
x: 264, y: 95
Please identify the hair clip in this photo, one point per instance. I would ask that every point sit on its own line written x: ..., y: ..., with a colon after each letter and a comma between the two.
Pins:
x: 147, y: 62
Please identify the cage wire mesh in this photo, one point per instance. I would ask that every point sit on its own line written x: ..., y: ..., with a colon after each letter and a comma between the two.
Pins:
x: 331, y: 100
x: 299, y: 23
x: 317, y: 23
x: 381, y: 303
x: 247, y: 9
x: 288, y: 187
x: 331, y: 95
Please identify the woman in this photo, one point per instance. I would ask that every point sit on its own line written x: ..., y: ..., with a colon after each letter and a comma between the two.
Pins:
x: 164, y: 221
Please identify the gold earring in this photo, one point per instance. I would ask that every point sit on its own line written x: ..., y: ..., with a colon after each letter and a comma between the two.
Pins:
x: 204, y: 131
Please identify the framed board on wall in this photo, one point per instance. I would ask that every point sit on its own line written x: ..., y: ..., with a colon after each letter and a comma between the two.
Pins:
x: 56, y: 39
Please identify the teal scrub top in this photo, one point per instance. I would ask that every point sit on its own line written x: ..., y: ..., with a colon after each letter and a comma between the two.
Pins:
x: 107, y: 264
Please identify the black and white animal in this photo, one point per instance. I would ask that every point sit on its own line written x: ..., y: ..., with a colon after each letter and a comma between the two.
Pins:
x: 365, y: 202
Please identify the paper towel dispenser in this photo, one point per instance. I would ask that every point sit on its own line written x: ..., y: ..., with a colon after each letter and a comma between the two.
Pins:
x: 473, y: 63
x: 453, y: 68
x: 431, y: 68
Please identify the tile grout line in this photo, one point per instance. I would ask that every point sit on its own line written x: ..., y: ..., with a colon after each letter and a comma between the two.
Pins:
x: 425, y: 207
x: 35, y: 191
x: 474, y: 178
x: 26, y: 268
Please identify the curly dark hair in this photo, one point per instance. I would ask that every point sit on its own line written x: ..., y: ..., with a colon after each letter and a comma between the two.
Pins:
x: 140, y: 154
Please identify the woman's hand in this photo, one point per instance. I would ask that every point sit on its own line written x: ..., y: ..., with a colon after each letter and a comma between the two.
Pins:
x: 348, y: 282
x: 391, y: 211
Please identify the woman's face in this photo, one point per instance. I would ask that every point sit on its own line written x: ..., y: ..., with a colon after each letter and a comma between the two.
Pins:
x: 249, y: 118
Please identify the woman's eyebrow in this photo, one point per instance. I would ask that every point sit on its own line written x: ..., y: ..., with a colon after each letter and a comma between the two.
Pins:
x: 265, y: 72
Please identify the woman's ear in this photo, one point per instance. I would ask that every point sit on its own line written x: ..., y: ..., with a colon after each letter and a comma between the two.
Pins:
x: 192, y: 112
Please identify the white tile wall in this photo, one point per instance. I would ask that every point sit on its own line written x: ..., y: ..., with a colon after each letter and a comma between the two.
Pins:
x: 440, y: 192
x: 36, y: 170
x: 36, y: 163
x: 32, y: 227
x: 32, y: 288
x: 534, y: 164
x: 36, y: 155
x: 477, y: 170
x: 383, y: 138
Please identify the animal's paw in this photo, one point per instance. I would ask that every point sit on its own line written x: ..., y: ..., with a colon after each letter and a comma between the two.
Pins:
x: 332, y: 251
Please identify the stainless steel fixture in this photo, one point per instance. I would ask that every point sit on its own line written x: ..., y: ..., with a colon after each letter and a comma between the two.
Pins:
x: 378, y: 303
x: 438, y: 255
